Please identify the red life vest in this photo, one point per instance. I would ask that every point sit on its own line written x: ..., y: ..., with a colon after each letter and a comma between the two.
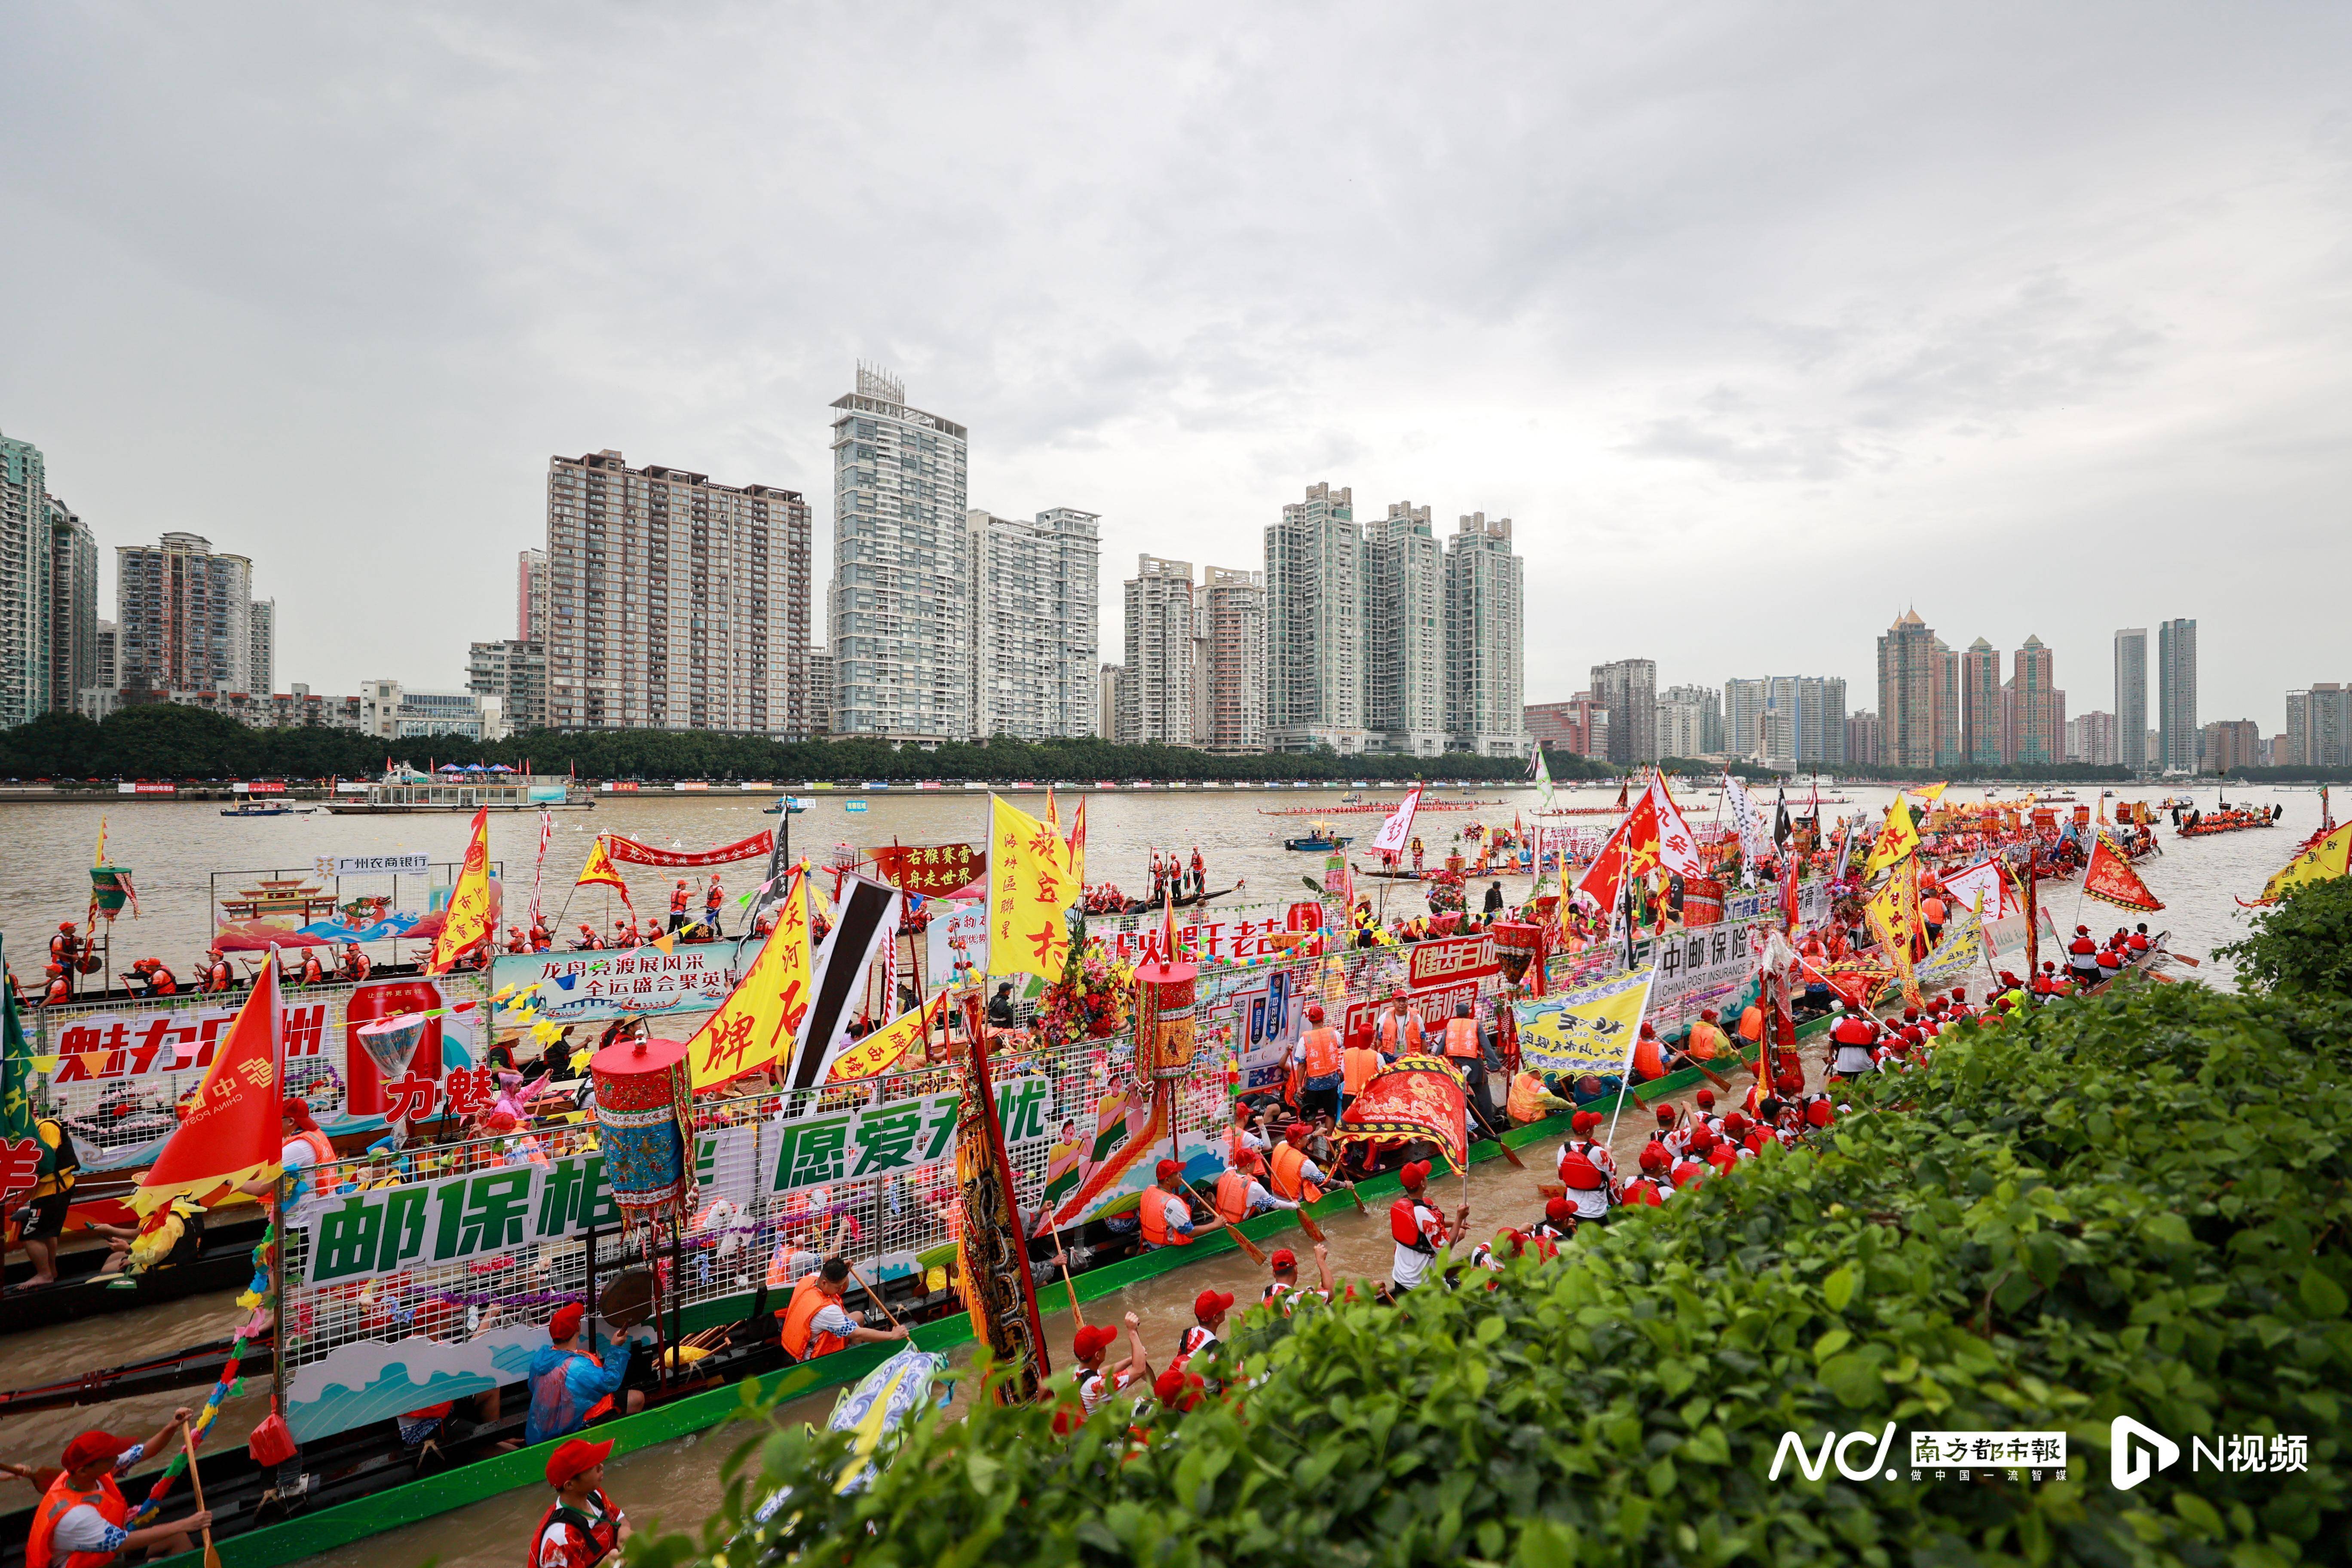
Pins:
x: 678, y: 902
x: 1404, y: 1226
x: 605, y: 1532
x: 60, y: 1500
x: 1577, y: 1169
x: 799, y: 1314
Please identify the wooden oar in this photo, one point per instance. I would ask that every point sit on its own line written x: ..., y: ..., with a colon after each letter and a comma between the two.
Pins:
x: 875, y: 1296
x: 212, y: 1552
x: 1256, y: 1253
x: 1075, y: 1316
x: 1306, y: 1223
x: 1508, y: 1152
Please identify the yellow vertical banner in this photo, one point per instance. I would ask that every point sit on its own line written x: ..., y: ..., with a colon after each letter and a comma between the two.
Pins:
x: 465, y: 924
x: 757, y: 1023
x: 1030, y: 892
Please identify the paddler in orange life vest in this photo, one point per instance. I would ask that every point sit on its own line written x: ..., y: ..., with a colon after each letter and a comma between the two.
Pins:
x: 1165, y: 1215
x: 583, y: 1526
x: 570, y: 1385
x: 1585, y: 1169
x: 1400, y: 1032
x: 1296, y: 1178
x: 815, y: 1323
x: 1240, y: 1194
x: 79, y: 1520
x: 1418, y: 1228
x: 219, y: 975
x: 678, y: 897
x: 313, y: 972
x: 1322, y: 1070
x: 1707, y: 1041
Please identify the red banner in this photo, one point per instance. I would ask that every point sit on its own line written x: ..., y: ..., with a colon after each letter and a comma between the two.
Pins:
x: 754, y: 847
x: 1450, y: 961
x: 1418, y: 1097
x: 931, y: 870
x: 2110, y: 879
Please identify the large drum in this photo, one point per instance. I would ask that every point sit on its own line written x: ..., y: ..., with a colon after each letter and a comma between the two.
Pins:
x: 644, y: 1109
x: 1166, y: 1013
x: 1702, y: 902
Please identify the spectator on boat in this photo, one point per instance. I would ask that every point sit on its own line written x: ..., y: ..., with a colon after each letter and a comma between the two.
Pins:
x: 1000, y: 1015
x: 570, y: 1385
x: 583, y: 1526
x: 815, y: 1321
x: 1494, y: 905
x: 83, y: 1512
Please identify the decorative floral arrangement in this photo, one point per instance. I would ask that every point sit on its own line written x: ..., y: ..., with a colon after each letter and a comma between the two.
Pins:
x: 1092, y: 1001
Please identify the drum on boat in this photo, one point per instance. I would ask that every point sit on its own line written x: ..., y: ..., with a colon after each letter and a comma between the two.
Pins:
x: 1516, y: 944
x: 644, y: 1109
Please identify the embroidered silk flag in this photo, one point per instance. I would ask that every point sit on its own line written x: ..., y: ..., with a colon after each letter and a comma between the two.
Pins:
x: 228, y: 1132
x: 1959, y: 954
x: 883, y: 1051
x: 1030, y: 892
x: 2109, y: 878
x: 2322, y: 862
x: 762, y: 1020
x: 469, y: 921
x: 1418, y: 1097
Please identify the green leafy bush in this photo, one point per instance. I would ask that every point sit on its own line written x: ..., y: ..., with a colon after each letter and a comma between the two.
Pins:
x: 2302, y: 944
x: 2134, y: 1205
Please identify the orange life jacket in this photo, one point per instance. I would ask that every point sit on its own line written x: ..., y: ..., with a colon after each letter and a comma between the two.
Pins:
x: 799, y: 1313
x: 1648, y: 1063
x: 1232, y: 1196
x: 1402, y: 1032
x: 1287, y: 1181
x: 1462, y: 1039
x: 1751, y: 1023
x: 62, y: 1498
x: 1358, y: 1064
x: 1322, y: 1048
x: 1154, y: 1216
x: 1706, y: 1041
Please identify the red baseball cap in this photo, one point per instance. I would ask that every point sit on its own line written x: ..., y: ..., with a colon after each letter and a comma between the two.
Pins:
x: 1414, y: 1173
x: 1209, y: 1303
x: 1283, y: 1258
x: 1093, y: 1337
x: 1166, y: 1168
x: 94, y: 1448
x: 566, y: 1322
x: 1556, y: 1210
x: 572, y: 1456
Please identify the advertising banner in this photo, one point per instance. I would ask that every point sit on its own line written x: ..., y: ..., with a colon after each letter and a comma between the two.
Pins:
x: 628, y: 982
x: 756, y: 846
x: 932, y: 871
x: 1450, y: 961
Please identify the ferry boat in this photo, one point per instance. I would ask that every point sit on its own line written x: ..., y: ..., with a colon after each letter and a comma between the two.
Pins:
x: 407, y: 793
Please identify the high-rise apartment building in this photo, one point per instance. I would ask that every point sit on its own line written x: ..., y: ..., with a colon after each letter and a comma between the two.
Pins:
x: 1862, y: 737
x: 2091, y: 739
x: 184, y: 615
x: 1486, y: 639
x: 531, y: 596
x: 1107, y: 698
x: 1788, y: 722
x: 1910, y: 662
x: 899, y: 616
x: 1578, y: 726
x: 2182, y: 742
x: 261, y: 656
x: 2039, y: 707
x: 1406, y: 633
x: 1744, y: 702
x: 25, y: 617
x: 515, y: 672
x: 1981, y: 704
x: 1314, y: 625
x: 674, y: 603
x: 2228, y: 744
x: 820, y: 692
x: 73, y: 606
x: 104, y: 692
x: 1232, y: 678
x: 1035, y: 588
x: 1155, y: 687
x: 1948, y: 733
x: 2318, y: 732
x: 1690, y: 721
x: 2131, y: 696
x: 1628, y: 690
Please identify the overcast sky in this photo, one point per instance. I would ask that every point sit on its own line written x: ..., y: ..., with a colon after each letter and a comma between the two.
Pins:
x: 1761, y: 323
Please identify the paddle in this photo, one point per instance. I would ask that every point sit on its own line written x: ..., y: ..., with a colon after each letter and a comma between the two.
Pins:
x: 1508, y: 1152
x: 212, y: 1552
x: 876, y: 1297
x: 1256, y: 1253
x: 1075, y: 1316
x: 1306, y: 1223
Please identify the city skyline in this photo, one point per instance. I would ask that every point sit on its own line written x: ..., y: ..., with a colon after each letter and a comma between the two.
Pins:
x: 1919, y: 362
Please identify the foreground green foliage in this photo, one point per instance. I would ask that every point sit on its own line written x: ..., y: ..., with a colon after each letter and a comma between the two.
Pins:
x: 2133, y: 1205
x: 2302, y: 945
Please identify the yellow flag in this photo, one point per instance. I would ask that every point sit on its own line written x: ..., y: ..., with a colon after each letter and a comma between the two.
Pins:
x: 880, y: 1051
x: 1030, y: 891
x: 1897, y: 841
x: 599, y: 871
x: 1077, y: 845
x: 1894, y: 916
x: 465, y: 924
x: 2322, y: 862
x: 761, y: 1018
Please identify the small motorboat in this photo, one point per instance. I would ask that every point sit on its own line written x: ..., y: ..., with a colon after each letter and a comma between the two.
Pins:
x: 791, y: 804
x: 1319, y: 836
x: 261, y: 808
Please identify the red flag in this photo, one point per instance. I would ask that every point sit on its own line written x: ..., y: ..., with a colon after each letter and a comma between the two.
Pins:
x: 2110, y: 879
x: 230, y: 1131
x: 1418, y: 1097
x: 1632, y: 850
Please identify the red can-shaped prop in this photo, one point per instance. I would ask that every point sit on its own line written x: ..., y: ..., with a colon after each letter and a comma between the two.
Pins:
x: 1166, y: 1012
x: 644, y: 1108
x: 363, y: 1079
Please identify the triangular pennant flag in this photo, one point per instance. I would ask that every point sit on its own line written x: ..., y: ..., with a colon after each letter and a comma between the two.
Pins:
x: 2109, y: 878
x: 230, y: 1131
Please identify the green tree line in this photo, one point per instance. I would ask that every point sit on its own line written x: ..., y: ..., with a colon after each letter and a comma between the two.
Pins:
x: 168, y: 741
